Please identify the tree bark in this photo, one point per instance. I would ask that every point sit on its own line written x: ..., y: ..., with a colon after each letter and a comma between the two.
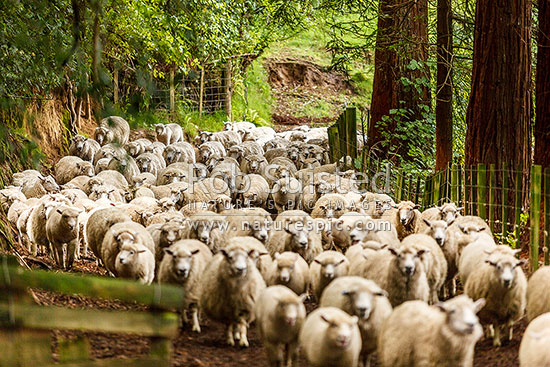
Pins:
x: 498, y: 115
x: 444, y: 95
x: 402, y: 37
x: 542, y: 122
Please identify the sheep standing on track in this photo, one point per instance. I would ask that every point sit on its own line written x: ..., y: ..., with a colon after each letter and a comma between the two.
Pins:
x: 364, y: 299
x: 135, y: 261
x: 448, y: 213
x: 433, y: 261
x: 326, y: 267
x: 183, y: 264
x: 84, y: 148
x: 62, y: 233
x: 286, y: 193
x: 330, y: 337
x: 406, y: 218
x: 280, y: 314
x: 168, y: 133
x: 255, y: 222
x: 533, y: 350
x: 501, y: 282
x: 437, y: 229
x: 538, y: 297
x: 230, y: 286
x: 291, y: 270
x: 444, y: 335
x: 330, y: 206
x: 112, y: 129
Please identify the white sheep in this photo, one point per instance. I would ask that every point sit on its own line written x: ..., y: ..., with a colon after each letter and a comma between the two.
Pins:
x: 62, y: 231
x: 448, y: 213
x: 208, y: 227
x: 377, y: 205
x: 165, y: 235
x: 183, y: 264
x: 125, y: 165
x: 366, y: 300
x: 291, y: 270
x: 135, y: 261
x: 84, y: 148
x: 112, y: 129
x: 230, y: 286
x: 280, y: 314
x: 533, y: 350
x: 433, y: 260
x: 326, y: 267
x: 502, y: 283
x: 99, y: 222
x: 137, y: 147
x: 406, y: 218
x: 169, y: 133
x: 443, y: 335
x: 211, y: 149
x: 179, y: 152
x: 331, y: 337
x: 538, y: 297
x: 149, y: 162
x: 39, y: 187
x: 286, y: 194
x: 253, y: 190
x: 255, y: 222
x: 475, y: 253
x: 262, y: 259
x: 330, y: 206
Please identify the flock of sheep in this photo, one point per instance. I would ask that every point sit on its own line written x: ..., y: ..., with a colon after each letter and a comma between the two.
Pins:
x: 251, y: 222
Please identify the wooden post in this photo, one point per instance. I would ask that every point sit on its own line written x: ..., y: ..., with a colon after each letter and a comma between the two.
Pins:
x: 505, y: 194
x: 454, y: 185
x: 437, y: 187
x: 388, y: 177
x: 492, y: 194
x: 201, y: 91
x: 517, y: 204
x: 482, y: 190
x: 546, y: 194
x: 534, y: 218
x: 115, y: 86
x: 228, y: 93
x: 467, y: 190
x: 417, y: 189
x: 172, y: 89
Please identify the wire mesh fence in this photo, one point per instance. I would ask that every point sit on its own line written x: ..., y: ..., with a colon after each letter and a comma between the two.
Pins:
x: 516, y: 214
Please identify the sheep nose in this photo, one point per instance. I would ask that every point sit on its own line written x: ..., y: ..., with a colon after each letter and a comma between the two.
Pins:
x: 362, y: 311
x: 284, y: 278
x: 403, y: 221
x: 240, y: 270
x: 409, y: 270
x: 203, y: 239
x: 439, y: 241
x: 122, y: 260
x: 183, y: 272
x: 263, y: 237
x: 303, y: 244
x: 507, y: 283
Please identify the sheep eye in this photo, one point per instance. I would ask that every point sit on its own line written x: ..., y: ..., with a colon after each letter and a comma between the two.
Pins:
x: 131, y: 252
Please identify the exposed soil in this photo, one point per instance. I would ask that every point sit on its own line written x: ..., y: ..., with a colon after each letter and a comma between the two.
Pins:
x: 297, y: 83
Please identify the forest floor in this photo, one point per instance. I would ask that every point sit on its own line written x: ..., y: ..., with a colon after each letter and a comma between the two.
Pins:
x: 208, y: 348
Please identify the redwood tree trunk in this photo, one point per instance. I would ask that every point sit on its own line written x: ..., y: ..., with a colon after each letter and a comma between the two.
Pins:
x: 402, y: 37
x: 498, y: 115
x: 542, y: 122
x: 444, y: 95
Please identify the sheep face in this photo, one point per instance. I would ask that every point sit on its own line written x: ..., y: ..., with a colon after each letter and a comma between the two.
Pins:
x: 339, y: 331
x: 167, y: 204
x: 49, y: 184
x: 128, y: 255
x: 69, y: 217
x: 200, y: 171
x: 408, y: 259
x: 144, y: 164
x: 205, y: 152
x: 470, y: 229
x: 235, y: 152
x: 294, y: 154
x: 170, y: 154
x: 160, y: 130
x: 360, y: 230
x: 438, y: 230
x: 505, y: 269
x: 405, y: 212
x: 237, y: 261
x: 288, y: 311
x: 285, y: 267
x: 170, y: 232
x: 204, y: 136
x: 299, y: 236
x: 133, y: 148
x: 78, y: 141
x: 260, y: 231
x: 448, y: 212
x: 461, y: 315
x: 103, y: 135
x: 254, y: 163
x: 328, y: 267
x: 85, y: 169
x: 182, y: 262
x: 362, y: 301
x: 125, y: 238
x: 381, y: 206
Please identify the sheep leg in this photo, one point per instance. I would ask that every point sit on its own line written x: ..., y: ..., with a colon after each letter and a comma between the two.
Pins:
x: 510, y: 326
x: 490, y: 331
x: 292, y: 355
x: 71, y: 252
x: 229, y: 335
x: 274, y: 354
x: 496, y: 337
x: 243, y: 325
x: 195, y: 317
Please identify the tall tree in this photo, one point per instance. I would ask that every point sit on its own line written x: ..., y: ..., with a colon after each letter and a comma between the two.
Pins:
x: 401, y: 42
x: 542, y: 122
x: 498, y: 115
x: 444, y: 95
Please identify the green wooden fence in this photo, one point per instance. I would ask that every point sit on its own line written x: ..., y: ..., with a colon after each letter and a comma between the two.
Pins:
x: 25, y: 327
x: 494, y: 193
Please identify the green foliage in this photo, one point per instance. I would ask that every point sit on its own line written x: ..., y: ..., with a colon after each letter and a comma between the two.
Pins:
x: 511, y: 239
x: 252, y: 100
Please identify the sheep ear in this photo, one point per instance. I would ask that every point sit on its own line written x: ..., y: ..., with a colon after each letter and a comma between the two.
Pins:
x: 441, y: 307
x: 59, y: 211
x: 194, y: 252
x: 459, y: 209
x: 346, y: 293
x: 224, y: 253
x: 381, y: 293
x: 479, y: 229
x: 478, y: 305
x: 326, y: 319
x: 394, y: 251
x: 317, y: 261
x: 492, y: 263
x: 428, y: 223
x: 303, y: 297
x: 277, y: 255
x: 140, y: 251
x: 515, y: 252
x: 451, y: 222
x: 168, y: 251
x: 461, y: 227
x: 422, y: 252
x: 253, y: 254
x: 340, y: 262
x: 416, y: 206
x: 521, y: 262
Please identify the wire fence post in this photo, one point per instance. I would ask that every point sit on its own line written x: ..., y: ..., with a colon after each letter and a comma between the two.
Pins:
x: 492, y: 195
x: 546, y: 193
x: 388, y: 176
x: 534, y: 220
x: 482, y: 190
x: 505, y: 197
x: 517, y: 203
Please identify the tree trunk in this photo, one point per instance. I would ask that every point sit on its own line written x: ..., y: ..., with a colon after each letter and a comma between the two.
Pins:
x: 498, y: 115
x: 96, y: 61
x: 402, y: 37
x: 444, y: 95
x: 542, y: 122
